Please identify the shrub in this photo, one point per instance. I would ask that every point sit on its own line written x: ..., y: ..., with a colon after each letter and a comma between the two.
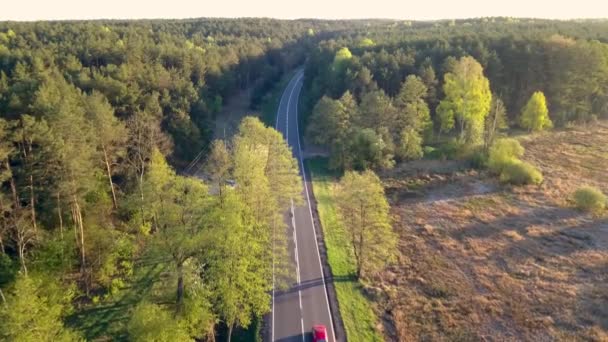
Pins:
x: 517, y: 172
x: 591, y: 199
x: 429, y: 151
x: 449, y: 150
x: 504, y: 152
x: 478, y: 159
x: 150, y: 322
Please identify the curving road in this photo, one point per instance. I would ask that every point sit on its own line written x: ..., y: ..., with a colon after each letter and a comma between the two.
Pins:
x: 306, y: 303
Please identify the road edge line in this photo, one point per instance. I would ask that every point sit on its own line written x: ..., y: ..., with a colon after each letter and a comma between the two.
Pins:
x: 331, y: 319
x: 276, y: 127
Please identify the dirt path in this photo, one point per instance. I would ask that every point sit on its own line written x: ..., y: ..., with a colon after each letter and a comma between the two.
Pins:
x: 229, y: 117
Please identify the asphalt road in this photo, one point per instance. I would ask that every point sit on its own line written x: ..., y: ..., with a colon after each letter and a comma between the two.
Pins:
x: 306, y: 303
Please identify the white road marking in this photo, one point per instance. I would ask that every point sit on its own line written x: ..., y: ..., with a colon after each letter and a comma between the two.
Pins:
x: 276, y: 125
x: 293, y: 220
x: 333, y: 334
x: 296, y: 79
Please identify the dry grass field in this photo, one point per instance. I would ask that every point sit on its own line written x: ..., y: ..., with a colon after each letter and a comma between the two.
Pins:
x: 480, y: 261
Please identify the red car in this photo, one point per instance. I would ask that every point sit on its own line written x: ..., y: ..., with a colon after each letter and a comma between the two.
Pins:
x: 319, y: 333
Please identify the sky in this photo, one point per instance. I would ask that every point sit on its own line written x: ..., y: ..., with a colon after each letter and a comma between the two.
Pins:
x: 293, y: 9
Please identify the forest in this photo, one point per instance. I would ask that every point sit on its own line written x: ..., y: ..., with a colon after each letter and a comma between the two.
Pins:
x: 102, y: 234
x: 486, y: 138
x: 393, y: 83
x: 96, y: 120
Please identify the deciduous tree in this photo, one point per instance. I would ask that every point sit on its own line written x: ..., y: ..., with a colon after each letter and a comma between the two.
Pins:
x: 34, y: 310
x: 219, y: 164
x: 535, y: 115
x: 364, y: 212
x: 495, y: 122
x: 468, y: 97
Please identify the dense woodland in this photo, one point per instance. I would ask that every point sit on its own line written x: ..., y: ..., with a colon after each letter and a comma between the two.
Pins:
x: 90, y: 115
x: 96, y: 117
x: 384, y: 85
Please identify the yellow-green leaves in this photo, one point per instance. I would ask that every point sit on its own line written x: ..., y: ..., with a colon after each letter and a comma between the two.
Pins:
x: 34, y: 310
x: 342, y: 56
x: 535, y: 116
x: 150, y: 322
x: 364, y: 212
x: 504, y: 161
x: 467, y: 98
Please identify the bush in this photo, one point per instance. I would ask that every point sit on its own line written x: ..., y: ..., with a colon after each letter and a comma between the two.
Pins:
x: 588, y: 198
x: 517, y: 172
x: 504, y: 152
x: 478, y: 159
x: 150, y: 322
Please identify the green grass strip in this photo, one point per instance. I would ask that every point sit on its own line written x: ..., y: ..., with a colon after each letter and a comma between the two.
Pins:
x: 356, y: 310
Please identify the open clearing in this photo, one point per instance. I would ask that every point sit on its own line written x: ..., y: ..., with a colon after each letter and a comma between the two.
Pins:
x: 481, y: 261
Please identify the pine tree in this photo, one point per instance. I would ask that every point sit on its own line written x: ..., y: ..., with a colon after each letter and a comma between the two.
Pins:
x: 413, y: 118
x: 110, y: 135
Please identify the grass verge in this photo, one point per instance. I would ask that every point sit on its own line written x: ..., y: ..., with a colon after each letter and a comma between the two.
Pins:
x: 356, y: 310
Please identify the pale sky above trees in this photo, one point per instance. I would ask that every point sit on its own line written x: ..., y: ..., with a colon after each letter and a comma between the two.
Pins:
x: 335, y: 9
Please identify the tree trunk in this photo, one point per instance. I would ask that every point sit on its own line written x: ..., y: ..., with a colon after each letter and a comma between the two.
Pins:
x: 141, y: 193
x: 361, y: 242
x: 33, y: 202
x: 60, y: 215
x: 3, y: 298
x: 21, y: 250
x: 13, y: 185
x: 230, y: 327
x: 79, y: 224
x: 2, y: 226
x: 180, y: 286
x: 109, y: 170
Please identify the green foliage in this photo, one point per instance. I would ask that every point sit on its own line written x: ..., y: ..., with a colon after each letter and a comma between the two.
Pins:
x: 54, y: 256
x: 495, y: 121
x: 478, y: 158
x: 364, y: 211
x: 342, y: 55
x: 535, y: 115
x: 503, y: 160
x: 328, y: 122
x: 369, y: 150
x: 241, y: 291
x: 356, y: 311
x: 410, y: 145
x: 150, y: 322
x: 468, y: 96
x: 591, y: 199
x: 34, y: 310
x: 267, y: 178
x: 218, y: 164
x: 517, y: 172
x: 413, y: 119
x: 503, y: 152
x: 115, y: 251
x: 445, y: 116
x: 366, y: 42
x: 8, y: 270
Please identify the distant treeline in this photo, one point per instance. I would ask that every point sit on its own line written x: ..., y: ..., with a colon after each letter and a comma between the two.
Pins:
x: 565, y: 60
